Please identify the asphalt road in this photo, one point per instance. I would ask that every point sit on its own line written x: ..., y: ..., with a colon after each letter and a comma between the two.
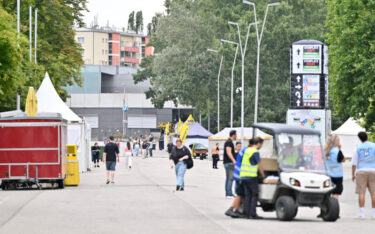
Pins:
x: 143, y: 200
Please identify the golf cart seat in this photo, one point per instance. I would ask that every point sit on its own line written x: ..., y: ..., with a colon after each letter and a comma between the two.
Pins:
x: 270, y: 169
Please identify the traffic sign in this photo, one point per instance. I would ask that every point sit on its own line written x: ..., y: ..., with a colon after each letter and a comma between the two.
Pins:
x: 306, y: 59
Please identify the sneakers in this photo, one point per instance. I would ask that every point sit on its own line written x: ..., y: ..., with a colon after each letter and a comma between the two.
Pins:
x: 107, y: 182
x: 112, y: 182
x: 229, y: 212
x: 229, y: 197
x: 360, y: 216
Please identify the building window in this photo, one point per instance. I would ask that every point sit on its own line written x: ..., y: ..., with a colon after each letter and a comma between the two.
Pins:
x: 110, y: 60
x: 143, y: 40
x: 110, y: 47
x: 143, y: 51
x: 102, y: 51
x: 122, y: 54
x: 106, y: 40
x: 102, y: 40
x: 81, y: 40
x: 110, y: 36
x: 128, y: 54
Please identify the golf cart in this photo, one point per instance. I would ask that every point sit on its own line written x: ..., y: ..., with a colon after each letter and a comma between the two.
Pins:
x: 198, y: 150
x: 296, y: 174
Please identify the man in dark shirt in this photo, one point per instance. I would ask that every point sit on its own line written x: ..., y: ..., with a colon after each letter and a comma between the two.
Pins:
x: 170, y: 147
x: 110, y: 156
x: 229, y: 161
x: 95, y: 150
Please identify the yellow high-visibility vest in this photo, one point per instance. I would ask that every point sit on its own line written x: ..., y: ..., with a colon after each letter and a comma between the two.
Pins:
x: 248, y: 170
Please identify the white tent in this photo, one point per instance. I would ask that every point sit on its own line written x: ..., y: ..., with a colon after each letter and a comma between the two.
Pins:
x: 49, y: 101
x: 348, y: 136
x: 223, y: 135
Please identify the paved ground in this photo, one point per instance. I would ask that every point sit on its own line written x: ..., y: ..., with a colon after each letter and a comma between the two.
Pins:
x: 143, y: 201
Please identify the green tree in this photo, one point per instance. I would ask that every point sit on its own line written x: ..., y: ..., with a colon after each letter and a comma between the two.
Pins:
x: 58, y: 53
x: 139, y: 22
x: 184, y: 72
x: 131, y: 21
x: 351, y: 40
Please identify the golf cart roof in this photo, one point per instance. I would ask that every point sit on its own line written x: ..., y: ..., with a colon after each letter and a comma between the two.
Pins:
x: 285, y: 128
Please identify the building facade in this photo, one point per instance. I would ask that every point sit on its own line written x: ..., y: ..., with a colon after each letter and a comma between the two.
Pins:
x: 104, y: 46
x: 113, y: 105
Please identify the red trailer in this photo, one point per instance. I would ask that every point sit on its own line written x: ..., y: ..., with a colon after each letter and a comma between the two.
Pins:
x: 32, y: 151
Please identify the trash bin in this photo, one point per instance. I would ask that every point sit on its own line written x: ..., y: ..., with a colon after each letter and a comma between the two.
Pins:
x: 72, y: 174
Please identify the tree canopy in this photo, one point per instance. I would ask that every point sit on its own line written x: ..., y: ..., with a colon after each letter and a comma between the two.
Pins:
x: 183, y: 71
x: 351, y: 40
x: 57, y: 52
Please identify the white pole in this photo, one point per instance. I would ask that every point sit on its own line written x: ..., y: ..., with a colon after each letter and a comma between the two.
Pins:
x: 218, y: 95
x: 231, y: 88
x: 30, y: 32
x: 36, y: 33
x: 18, y: 35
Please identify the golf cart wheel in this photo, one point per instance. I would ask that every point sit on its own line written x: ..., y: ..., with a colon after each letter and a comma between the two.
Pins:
x: 332, y: 211
x: 286, y: 208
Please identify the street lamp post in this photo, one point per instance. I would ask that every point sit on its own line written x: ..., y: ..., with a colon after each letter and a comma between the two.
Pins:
x: 232, y: 78
x: 243, y: 51
x: 259, y: 40
x: 218, y: 89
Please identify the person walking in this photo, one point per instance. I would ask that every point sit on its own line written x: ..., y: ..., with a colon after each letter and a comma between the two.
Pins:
x: 128, y: 155
x: 229, y: 161
x: 144, y: 149
x: 179, y: 154
x: 110, y: 156
x: 335, y: 158
x: 215, y: 156
x: 363, y: 172
x: 249, y: 176
x: 170, y: 147
x: 95, y: 151
x: 150, y: 148
x: 136, y: 149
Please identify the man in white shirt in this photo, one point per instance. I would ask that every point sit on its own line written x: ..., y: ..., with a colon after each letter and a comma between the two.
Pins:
x: 363, y: 172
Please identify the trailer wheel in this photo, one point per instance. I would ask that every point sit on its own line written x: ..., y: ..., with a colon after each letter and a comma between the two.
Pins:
x: 61, y: 184
x: 332, y: 210
x: 286, y: 208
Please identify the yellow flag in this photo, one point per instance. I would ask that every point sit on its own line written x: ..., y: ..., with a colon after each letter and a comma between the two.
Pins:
x: 31, y: 103
x: 190, y: 120
x: 184, y: 132
x: 166, y: 132
x: 179, y: 126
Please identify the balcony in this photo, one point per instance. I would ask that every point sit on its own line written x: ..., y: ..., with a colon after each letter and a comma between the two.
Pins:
x: 131, y: 60
x: 131, y: 49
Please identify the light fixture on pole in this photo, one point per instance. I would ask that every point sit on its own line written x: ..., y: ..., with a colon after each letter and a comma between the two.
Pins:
x: 218, y: 89
x: 232, y: 78
x: 243, y: 51
x: 259, y: 40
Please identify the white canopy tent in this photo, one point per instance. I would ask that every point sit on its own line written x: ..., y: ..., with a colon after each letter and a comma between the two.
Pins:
x: 223, y: 136
x: 49, y: 101
x: 348, y: 136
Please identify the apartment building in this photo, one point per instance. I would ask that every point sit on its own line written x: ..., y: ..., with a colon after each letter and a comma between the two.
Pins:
x: 105, y: 46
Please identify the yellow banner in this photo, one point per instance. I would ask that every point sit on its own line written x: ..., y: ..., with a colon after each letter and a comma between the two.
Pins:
x: 179, y: 126
x: 184, y: 132
x: 166, y: 133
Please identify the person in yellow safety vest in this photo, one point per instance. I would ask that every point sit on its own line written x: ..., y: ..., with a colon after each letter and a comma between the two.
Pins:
x: 249, y: 177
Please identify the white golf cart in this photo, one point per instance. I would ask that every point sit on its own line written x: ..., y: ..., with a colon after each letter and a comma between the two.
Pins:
x: 296, y: 173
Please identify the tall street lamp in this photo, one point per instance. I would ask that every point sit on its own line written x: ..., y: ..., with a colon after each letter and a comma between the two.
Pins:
x: 243, y: 51
x: 259, y: 40
x: 218, y: 89
x: 231, y: 85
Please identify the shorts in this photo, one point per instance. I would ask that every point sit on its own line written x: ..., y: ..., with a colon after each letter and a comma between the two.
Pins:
x: 240, y: 191
x: 365, y: 179
x: 110, y: 165
x: 339, y: 188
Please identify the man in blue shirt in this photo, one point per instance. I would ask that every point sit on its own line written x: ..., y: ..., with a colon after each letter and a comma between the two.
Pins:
x: 363, y: 172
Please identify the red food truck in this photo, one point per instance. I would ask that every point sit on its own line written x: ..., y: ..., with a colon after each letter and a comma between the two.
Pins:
x: 32, y: 151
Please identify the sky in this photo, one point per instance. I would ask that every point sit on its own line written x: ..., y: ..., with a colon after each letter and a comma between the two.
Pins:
x: 117, y: 11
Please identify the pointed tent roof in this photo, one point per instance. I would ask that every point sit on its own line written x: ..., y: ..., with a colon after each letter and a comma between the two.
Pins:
x: 50, y: 101
x: 350, y: 127
x: 197, y: 131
